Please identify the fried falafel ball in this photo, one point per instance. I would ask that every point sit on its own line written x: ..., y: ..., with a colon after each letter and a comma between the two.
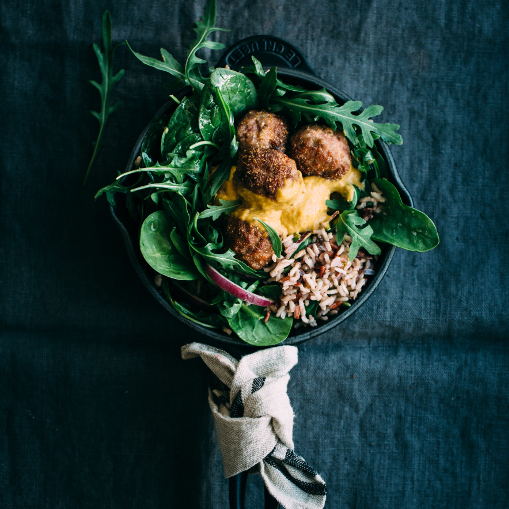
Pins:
x: 268, y: 173
x: 320, y: 151
x: 249, y: 243
x: 261, y: 129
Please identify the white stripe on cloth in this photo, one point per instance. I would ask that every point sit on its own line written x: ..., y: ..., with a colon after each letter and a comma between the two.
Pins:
x: 254, y: 421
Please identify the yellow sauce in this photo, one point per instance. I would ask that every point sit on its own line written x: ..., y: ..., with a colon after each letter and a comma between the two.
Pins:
x: 299, y: 206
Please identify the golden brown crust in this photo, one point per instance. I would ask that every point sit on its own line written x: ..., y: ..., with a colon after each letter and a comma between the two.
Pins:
x: 250, y: 243
x: 320, y: 151
x: 264, y: 171
x: 261, y: 129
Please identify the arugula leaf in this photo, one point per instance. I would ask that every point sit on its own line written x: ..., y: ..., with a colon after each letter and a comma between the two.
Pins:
x: 305, y: 243
x: 256, y: 68
x: 220, y: 176
x: 214, y: 211
x: 290, y: 88
x: 158, y: 250
x: 109, y: 80
x: 226, y: 260
x: 238, y: 91
x: 190, y: 73
x: 333, y: 114
x: 183, y: 122
x: 318, y: 96
x: 368, y: 159
x: 341, y: 204
x: 267, y: 87
x: 163, y: 169
x: 111, y: 190
x: 348, y: 222
x: 277, y: 245
x: 231, y: 305
x: 184, y: 188
x: 148, y: 145
x: 400, y: 225
x: 169, y: 64
x: 204, y: 27
x: 200, y: 317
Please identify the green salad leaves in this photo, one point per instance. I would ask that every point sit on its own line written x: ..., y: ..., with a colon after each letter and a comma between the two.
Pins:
x: 188, y: 154
x: 400, y: 225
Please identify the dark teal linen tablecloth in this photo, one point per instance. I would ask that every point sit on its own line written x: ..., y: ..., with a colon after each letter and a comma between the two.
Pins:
x: 405, y: 405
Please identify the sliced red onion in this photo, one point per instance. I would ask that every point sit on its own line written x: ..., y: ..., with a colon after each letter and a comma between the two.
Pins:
x: 236, y: 290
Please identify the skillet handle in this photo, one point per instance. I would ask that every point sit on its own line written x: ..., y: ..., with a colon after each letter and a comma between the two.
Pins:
x: 269, y: 50
x: 238, y: 490
x: 238, y: 493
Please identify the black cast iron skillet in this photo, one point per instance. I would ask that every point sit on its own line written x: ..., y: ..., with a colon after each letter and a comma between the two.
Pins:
x: 294, y: 69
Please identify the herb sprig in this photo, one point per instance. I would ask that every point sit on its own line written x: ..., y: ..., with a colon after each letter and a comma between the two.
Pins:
x: 109, y: 80
x: 189, y: 74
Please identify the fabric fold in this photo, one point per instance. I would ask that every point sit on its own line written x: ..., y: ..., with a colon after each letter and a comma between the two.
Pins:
x: 254, y: 421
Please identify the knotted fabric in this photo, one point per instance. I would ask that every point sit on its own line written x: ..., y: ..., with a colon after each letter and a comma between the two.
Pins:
x: 254, y: 421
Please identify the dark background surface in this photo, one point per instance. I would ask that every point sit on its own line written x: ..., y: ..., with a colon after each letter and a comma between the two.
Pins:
x: 404, y: 405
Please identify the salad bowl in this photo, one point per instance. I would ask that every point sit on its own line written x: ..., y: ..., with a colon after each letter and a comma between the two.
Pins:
x: 293, y: 67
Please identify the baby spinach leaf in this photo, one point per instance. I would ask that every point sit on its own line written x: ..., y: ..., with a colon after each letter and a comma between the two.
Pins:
x: 233, y: 145
x: 274, y: 238
x: 238, y: 90
x: 158, y: 250
x: 312, y: 308
x: 249, y: 324
x: 267, y: 87
x: 105, y: 88
x: 333, y: 114
x: 214, y: 211
x: 177, y: 209
x: 349, y: 222
x: 400, y: 225
x: 181, y: 246
x: 213, y: 122
x: 184, y: 145
x: 270, y: 291
x: 183, y: 122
